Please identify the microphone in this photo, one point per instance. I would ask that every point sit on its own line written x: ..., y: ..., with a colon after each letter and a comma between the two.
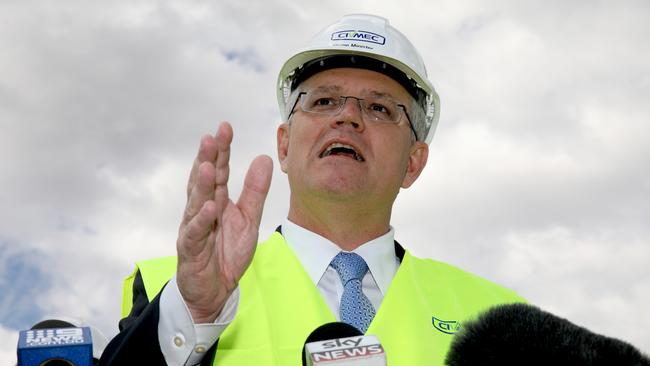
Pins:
x: 341, y: 344
x: 56, y: 342
x: 524, y: 334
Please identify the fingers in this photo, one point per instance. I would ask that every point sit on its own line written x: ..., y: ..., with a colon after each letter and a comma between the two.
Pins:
x: 207, y: 152
x: 256, y: 188
x: 202, y: 190
x: 222, y: 165
x: 197, y: 229
x: 207, y: 189
x: 204, y: 175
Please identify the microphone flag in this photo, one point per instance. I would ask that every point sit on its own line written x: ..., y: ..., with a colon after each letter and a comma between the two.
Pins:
x: 39, y: 346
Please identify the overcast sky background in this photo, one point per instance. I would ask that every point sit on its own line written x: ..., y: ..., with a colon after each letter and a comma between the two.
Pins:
x: 538, y: 177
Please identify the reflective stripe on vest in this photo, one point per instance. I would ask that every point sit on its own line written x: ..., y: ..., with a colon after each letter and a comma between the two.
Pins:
x: 279, y: 306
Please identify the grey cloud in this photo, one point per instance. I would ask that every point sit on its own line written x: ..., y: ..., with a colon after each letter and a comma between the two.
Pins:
x: 246, y: 58
x: 23, y: 278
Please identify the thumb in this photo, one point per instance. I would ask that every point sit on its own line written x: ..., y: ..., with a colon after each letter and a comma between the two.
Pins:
x: 256, y: 188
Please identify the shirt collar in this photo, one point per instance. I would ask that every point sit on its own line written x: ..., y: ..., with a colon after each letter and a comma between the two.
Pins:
x: 316, y: 252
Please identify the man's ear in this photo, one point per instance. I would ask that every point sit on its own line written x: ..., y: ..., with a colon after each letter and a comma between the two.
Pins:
x: 283, y: 145
x: 417, y: 161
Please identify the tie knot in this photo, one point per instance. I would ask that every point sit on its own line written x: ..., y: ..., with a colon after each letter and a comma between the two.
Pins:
x: 350, y: 266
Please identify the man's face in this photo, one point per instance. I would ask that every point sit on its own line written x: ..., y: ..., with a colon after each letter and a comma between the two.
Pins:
x: 346, y: 156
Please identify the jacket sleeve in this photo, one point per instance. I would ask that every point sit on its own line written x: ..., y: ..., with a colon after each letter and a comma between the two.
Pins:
x: 137, y: 342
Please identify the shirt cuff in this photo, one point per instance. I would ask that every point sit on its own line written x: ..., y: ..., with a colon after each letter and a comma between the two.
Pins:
x: 182, y: 342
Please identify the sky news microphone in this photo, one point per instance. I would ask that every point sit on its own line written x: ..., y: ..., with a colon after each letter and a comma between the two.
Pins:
x: 525, y: 335
x: 55, y: 342
x: 340, y: 344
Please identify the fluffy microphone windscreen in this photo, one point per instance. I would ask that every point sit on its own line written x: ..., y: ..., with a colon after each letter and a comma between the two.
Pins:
x: 524, y: 334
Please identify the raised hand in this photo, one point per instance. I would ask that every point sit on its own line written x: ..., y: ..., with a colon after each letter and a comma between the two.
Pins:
x: 217, y: 237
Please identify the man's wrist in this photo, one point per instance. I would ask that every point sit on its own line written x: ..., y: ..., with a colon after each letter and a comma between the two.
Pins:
x: 184, y: 341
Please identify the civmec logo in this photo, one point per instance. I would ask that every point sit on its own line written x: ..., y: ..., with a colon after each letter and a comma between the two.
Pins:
x: 358, y: 35
x: 445, y: 326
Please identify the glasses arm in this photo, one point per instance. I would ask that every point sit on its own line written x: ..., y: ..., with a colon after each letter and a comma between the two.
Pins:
x: 408, y: 118
x: 293, y: 108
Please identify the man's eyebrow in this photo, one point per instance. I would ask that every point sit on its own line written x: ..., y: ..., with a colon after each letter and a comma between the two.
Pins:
x: 380, y: 94
x: 327, y: 88
x: 337, y: 88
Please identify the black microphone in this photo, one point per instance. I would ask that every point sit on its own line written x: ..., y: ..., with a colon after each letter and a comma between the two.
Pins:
x: 341, y: 344
x: 523, y: 334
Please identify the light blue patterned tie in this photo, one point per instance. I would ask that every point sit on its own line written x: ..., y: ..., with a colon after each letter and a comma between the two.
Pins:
x: 355, y: 308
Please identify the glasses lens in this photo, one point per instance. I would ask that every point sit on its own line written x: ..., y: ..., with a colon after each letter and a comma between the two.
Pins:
x: 321, y: 102
x: 374, y: 108
x: 381, y: 109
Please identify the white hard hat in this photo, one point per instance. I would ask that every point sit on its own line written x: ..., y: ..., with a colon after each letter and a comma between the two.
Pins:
x: 352, y: 42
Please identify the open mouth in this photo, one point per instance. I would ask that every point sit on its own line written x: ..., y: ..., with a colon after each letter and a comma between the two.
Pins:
x: 340, y: 149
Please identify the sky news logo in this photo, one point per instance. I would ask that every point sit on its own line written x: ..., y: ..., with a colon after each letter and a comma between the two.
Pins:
x: 49, y: 337
x: 348, y: 353
x: 350, y: 348
x: 356, y: 35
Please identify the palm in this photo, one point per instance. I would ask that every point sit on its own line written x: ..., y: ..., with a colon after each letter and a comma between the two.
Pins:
x: 235, y: 242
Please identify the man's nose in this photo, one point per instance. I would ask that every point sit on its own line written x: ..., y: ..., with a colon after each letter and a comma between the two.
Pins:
x: 351, y: 113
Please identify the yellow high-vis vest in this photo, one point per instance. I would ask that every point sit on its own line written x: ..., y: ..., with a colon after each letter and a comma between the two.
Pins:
x: 279, y: 306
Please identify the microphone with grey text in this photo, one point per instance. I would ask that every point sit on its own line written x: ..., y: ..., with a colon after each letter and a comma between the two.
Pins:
x: 55, y: 342
x: 525, y: 335
x: 341, y: 344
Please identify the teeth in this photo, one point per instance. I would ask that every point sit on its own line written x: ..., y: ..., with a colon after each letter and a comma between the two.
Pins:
x: 335, y: 145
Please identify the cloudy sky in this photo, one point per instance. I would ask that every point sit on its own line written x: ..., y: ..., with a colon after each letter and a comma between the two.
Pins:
x: 538, y: 178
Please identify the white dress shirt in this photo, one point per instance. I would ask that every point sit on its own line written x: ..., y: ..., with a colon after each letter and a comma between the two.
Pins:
x: 184, y: 343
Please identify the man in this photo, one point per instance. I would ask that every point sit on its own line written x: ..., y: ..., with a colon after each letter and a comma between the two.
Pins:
x: 359, y: 114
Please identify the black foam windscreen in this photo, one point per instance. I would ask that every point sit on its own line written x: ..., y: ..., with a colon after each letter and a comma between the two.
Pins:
x: 526, y: 335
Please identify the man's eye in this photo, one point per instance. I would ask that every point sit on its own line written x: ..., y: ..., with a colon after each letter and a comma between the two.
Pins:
x: 379, y: 108
x: 324, y: 102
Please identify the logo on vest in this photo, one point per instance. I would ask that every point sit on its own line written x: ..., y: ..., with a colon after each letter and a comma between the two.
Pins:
x: 445, y: 326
